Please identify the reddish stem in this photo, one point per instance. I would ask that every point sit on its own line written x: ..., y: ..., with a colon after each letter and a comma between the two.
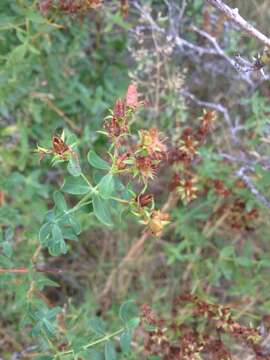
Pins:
x: 26, y: 270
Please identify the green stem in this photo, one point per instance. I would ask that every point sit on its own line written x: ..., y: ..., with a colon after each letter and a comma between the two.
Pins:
x: 80, y: 204
x: 122, y: 201
x: 105, y: 338
x: 94, y: 343
x: 88, y: 182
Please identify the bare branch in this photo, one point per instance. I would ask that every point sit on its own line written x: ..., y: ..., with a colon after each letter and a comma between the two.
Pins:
x: 234, y: 15
x: 172, y: 35
x: 222, y: 53
x: 241, y: 173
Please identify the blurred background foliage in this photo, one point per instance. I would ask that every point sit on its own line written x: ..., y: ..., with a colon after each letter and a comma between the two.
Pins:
x: 65, y: 71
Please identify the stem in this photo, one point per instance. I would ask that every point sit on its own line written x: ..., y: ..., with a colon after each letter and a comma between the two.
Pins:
x: 122, y: 201
x: 240, y: 21
x: 80, y: 204
x: 105, y: 338
x: 88, y: 182
x: 26, y: 270
x: 94, y: 343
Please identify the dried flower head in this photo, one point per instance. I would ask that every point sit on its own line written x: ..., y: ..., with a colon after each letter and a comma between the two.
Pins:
x: 146, y: 167
x: 120, y: 162
x: 157, y: 222
x: 189, y: 146
x: 144, y: 199
x: 206, y: 125
x: 151, y: 142
x: 59, y: 149
x: 75, y: 6
x: 115, y: 128
x: 187, y: 190
x: 208, y: 119
x: 221, y: 189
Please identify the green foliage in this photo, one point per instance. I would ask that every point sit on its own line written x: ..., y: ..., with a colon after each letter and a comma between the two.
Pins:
x: 67, y: 229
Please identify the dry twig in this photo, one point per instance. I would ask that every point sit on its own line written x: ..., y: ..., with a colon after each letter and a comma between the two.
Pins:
x: 234, y: 15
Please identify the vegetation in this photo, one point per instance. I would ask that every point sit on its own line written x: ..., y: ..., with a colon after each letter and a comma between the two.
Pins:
x: 134, y: 182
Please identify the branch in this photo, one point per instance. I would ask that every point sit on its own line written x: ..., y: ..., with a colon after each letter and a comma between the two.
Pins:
x: 172, y: 35
x: 240, y: 21
x: 26, y: 270
x: 249, y: 184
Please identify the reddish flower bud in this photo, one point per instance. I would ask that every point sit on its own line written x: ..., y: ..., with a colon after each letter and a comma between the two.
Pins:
x: 132, y: 97
x: 120, y: 162
x: 119, y: 109
x: 144, y: 199
x: 59, y: 147
x: 44, y: 6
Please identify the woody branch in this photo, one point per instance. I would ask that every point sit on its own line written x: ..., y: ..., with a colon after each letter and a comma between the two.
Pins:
x: 234, y: 15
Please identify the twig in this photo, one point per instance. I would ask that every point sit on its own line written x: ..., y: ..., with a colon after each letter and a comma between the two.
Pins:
x: 234, y: 15
x: 241, y: 173
x: 172, y: 35
x: 222, y: 53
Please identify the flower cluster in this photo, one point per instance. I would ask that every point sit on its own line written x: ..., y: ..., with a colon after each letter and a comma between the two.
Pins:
x: 175, y: 338
x: 137, y: 157
x: 68, y: 6
x: 185, y: 153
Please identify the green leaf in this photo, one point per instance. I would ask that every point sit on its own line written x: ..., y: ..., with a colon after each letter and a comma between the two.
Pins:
x: 244, y: 261
x: 97, y: 162
x: 17, y: 54
x: 128, y: 310
x: 133, y: 323
x: 7, y: 248
x: 57, y: 235
x: 43, y: 281
x: 59, y: 201
x: 75, y: 224
x: 110, y: 353
x: 45, y: 233
x: 101, y: 210
x: 125, y: 340
x: 97, y: 326
x: 56, y: 243
x: 74, y: 167
x: 106, y: 186
x: 9, y: 233
x: 227, y: 252
x: 76, y: 186
x: 95, y: 355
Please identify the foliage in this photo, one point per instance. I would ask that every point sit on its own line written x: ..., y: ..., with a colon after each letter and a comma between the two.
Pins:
x: 166, y: 193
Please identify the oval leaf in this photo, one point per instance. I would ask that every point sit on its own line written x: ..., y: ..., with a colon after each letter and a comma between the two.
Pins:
x: 59, y: 201
x: 106, y: 186
x: 97, y: 162
x: 76, y: 186
x: 101, y: 210
x: 110, y: 353
x: 125, y: 341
